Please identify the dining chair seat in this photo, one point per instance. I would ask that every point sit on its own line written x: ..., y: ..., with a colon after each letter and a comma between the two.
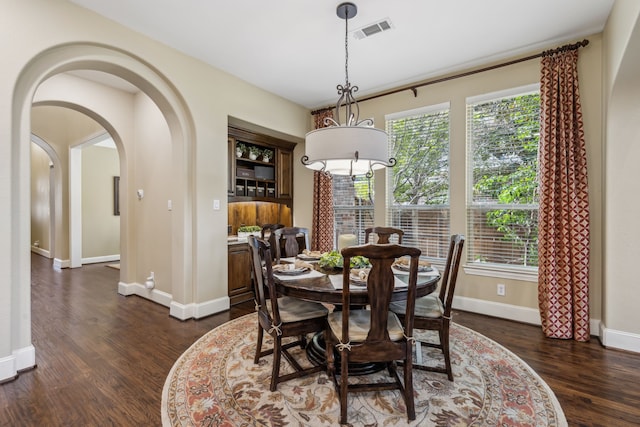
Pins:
x: 295, y: 309
x: 428, y: 306
x: 360, y: 325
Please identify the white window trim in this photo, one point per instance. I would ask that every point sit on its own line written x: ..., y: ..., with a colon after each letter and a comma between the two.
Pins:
x: 503, y: 271
x: 418, y: 111
x: 506, y: 93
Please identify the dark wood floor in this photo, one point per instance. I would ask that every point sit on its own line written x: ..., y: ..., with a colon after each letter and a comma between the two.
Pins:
x: 103, y: 358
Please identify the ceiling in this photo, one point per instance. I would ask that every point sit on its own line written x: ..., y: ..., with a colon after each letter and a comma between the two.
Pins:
x: 296, y: 48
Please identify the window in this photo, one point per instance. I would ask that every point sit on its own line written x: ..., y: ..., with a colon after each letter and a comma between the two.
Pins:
x: 418, y: 186
x: 503, y: 131
x: 352, y: 205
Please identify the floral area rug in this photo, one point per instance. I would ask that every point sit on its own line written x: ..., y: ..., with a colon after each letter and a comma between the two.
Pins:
x: 216, y: 383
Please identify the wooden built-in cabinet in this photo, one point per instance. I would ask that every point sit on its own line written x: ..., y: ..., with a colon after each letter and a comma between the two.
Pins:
x: 260, y: 178
x: 240, y: 287
x: 260, y: 191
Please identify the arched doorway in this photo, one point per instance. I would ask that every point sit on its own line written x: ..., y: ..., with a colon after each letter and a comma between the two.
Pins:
x: 100, y: 58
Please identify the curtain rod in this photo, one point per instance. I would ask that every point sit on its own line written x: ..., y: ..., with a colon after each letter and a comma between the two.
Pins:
x: 414, y: 88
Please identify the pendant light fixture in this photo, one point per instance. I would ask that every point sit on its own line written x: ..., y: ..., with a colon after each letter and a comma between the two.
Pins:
x: 353, y: 147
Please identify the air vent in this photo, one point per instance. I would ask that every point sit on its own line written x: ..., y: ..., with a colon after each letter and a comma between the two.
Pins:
x: 371, y: 29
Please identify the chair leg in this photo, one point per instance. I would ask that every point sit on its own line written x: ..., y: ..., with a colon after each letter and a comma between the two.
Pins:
x: 444, y: 340
x: 256, y: 359
x: 277, y: 353
x: 408, y: 385
x: 303, y: 341
x: 344, y: 384
x: 331, y: 367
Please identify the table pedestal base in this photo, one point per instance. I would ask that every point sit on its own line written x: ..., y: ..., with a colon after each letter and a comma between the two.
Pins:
x: 316, y: 353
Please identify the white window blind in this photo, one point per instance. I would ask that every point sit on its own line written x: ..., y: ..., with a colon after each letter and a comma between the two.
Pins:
x: 418, y: 186
x: 503, y: 133
x: 352, y: 205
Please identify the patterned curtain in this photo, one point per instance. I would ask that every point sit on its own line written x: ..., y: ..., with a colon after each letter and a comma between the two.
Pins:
x: 322, y: 233
x: 563, y: 236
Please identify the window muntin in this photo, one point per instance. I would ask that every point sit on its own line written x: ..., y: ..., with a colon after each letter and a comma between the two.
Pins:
x: 502, y: 155
x: 418, y: 186
x: 352, y: 205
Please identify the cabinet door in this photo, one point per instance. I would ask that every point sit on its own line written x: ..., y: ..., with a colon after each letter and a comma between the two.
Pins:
x: 285, y: 173
x: 240, y: 287
x: 231, y: 176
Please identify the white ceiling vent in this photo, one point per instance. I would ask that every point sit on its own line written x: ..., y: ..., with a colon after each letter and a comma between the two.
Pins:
x: 371, y: 29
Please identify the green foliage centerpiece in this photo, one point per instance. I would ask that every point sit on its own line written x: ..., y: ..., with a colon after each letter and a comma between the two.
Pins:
x: 333, y: 261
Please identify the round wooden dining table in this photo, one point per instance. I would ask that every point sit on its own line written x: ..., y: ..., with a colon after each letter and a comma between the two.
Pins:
x: 320, y: 289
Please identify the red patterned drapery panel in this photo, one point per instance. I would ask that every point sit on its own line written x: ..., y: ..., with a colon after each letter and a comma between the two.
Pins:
x: 563, y: 236
x: 322, y: 232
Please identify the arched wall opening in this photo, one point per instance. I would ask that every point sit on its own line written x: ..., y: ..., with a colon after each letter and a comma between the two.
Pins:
x: 86, y: 56
x: 70, y: 129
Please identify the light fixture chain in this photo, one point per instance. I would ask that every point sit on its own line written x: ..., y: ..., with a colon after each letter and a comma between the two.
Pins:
x: 346, y: 47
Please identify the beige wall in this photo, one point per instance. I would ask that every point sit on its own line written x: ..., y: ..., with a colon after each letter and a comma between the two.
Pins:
x: 154, y: 173
x: 100, y: 227
x: 40, y: 202
x: 621, y: 319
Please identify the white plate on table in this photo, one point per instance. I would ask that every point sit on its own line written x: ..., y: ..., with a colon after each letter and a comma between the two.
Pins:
x: 291, y: 271
x: 304, y: 257
x: 405, y: 268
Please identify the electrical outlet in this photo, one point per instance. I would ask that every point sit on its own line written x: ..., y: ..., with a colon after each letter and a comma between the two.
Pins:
x: 501, y: 290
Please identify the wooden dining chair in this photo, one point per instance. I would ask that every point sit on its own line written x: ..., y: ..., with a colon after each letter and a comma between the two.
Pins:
x: 373, y: 334
x: 281, y: 317
x: 290, y: 241
x: 433, y: 312
x: 267, y: 234
x: 383, y: 233
x: 267, y: 229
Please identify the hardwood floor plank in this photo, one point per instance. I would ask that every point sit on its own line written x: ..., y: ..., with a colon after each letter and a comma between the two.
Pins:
x: 103, y: 358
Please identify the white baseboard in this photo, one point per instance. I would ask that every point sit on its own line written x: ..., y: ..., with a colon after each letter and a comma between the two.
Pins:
x: 212, y: 307
x: 8, y: 369
x: 198, y: 311
x: 20, y: 360
x: 177, y: 310
x: 513, y: 312
x: 622, y: 340
x: 154, y: 295
x: 497, y: 309
x: 97, y: 259
x: 61, y: 263
x: 38, y: 250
